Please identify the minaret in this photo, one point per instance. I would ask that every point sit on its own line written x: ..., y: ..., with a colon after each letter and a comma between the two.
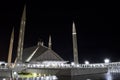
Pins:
x: 21, y: 36
x: 75, y: 49
x: 10, y: 48
x: 50, y: 43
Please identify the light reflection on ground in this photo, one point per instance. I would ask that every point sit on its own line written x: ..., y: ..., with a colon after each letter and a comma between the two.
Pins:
x: 109, y: 76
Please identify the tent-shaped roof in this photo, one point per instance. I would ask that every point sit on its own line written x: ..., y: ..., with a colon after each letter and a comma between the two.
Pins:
x: 39, y: 53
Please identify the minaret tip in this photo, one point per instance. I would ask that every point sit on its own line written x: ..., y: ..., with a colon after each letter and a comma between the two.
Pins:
x: 50, y: 42
x: 73, y: 28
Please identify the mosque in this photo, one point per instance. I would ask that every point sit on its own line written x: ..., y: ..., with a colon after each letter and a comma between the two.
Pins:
x: 42, y: 60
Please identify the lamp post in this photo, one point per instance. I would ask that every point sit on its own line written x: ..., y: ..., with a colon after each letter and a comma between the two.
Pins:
x: 86, y: 62
x: 106, y: 60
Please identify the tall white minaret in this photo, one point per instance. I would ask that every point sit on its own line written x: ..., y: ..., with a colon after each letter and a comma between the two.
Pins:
x: 21, y: 36
x: 11, y: 48
x: 75, y: 49
x: 50, y: 43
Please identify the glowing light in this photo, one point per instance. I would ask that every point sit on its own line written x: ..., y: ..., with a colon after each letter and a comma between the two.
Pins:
x: 15, y: 73
x: 108, y: 76
x: 47, y: 77
x: 62, y: 65
x: 77, y: 65
x: 106, y: 60
x: 34, y: 65
x: 44, y: 74
x: 34, y: 75
x: 88, y: 79
x: 4, y: 79
x: 72, y: 63
x: 39, y: 75
x: 18, y: 64
x: 86, y: 62
x: 54, y: 77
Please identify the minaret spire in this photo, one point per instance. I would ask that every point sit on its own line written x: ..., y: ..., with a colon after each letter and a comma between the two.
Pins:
x: 11, y: 48
x: 21, y: 36
x: 50, y: 43
x: 75, y: 49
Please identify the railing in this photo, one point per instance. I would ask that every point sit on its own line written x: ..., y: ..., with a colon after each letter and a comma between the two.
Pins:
x: 39, y: 65
x: 62, y: 65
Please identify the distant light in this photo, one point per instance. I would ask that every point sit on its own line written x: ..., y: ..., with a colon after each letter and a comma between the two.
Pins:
x: 88, y: 79
x: 34, y: 65
x: 54, y: 77
x: 62, y: 64
x: 2, y: 62
x: 18, y: 64
x: 86, y: 62
x: 15, y: 73
x: 4, y: 79
x: 106, y: 60
x: 47, y: 78
x: 72, y: 63
x: 77, y: 65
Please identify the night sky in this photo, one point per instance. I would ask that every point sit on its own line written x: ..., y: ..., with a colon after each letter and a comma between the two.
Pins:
x: 97, y: 29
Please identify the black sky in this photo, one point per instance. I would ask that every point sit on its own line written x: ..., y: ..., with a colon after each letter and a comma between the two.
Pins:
x: 97, y: 29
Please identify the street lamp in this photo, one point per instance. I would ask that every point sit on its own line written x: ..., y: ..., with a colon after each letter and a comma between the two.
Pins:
x: 106, y: 60
x: 15, y: 75
x: 86, y: 62
x: 72, y: 63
